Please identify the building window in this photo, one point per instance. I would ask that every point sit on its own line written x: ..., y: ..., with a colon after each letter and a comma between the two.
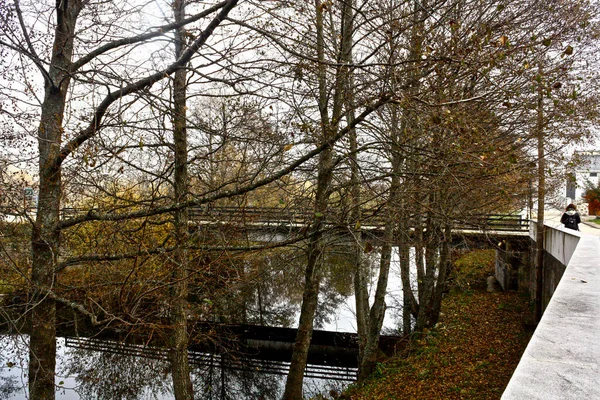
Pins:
x: 593, y: 174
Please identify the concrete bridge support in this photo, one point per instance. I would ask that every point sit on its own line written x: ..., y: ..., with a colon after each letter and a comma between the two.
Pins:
x: 513, y: 263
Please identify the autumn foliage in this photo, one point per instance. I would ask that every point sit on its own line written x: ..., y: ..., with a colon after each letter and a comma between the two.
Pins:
x: 470, y: 354
x: 592, y: 197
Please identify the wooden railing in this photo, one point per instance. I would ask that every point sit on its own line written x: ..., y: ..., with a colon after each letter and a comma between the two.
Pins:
x: 371, y: 218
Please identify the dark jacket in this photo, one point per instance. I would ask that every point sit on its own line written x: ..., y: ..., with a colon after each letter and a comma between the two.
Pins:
x: 571, y: 221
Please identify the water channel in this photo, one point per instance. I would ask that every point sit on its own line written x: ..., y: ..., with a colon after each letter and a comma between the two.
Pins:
x: 89, y: 368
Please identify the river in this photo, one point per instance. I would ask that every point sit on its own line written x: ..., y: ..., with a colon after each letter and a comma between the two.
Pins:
x: 90, y: 368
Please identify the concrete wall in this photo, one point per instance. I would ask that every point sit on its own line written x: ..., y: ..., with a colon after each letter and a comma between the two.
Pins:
x: 559, y: 242
x: 559, y: 246
x: 553, y: 272
x: 562, y: 360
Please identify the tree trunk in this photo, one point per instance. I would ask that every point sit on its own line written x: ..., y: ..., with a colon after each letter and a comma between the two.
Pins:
x: 45, y: 238
x: 45, y: 245
x: 420, y: 256
x: 440, y: 287
x: 377, y: 311
x: 312, y: 279
x: 539, y: 240
x: 180, y: 369
x: 408, y: 123
x: 361, y: 282
x: 361, y: 292
x: 368, y: 358
x: 408, y: 298
x: 426, y: 297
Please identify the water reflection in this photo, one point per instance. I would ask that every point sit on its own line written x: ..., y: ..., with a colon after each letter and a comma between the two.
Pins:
x: 90, y: 368
x: 104, y: 369
x: 13, y: 352
x: 110, y: 370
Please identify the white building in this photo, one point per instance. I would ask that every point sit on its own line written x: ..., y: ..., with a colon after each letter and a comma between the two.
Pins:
x: 18, y: 193
x: 586, y: 174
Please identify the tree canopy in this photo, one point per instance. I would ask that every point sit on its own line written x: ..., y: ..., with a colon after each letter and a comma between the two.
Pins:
x: 133, y: 116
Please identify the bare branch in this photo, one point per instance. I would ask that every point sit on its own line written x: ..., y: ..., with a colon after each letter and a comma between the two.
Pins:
x: 159, y: 31
x: 95, y: 216
x: 80, y: 308
x: 146, y: 82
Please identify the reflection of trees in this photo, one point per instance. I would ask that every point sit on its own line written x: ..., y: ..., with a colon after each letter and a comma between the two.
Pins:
x: 254, y: 289
x: 337, y: 282
x: 214, y: 382
x: 9, y: 385
x: 271, y: 298
x: 265, y: 291
x: 114, y: 374
x: 315, y: 388
x: 13, y: 351
x: 106, y: 369
x: 268, y: 292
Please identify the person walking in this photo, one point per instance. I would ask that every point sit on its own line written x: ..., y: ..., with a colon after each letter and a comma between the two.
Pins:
x: 571, y: 218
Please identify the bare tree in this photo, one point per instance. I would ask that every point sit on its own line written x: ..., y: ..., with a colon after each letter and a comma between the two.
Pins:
x: 182, y: 382
x: 67, y: 61
x: 300, y: 119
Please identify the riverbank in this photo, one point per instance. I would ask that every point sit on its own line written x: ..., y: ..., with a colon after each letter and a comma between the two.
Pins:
x: 471, y: 354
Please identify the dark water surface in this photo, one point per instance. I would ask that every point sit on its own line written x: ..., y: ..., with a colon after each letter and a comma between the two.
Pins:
x: 104, y: 369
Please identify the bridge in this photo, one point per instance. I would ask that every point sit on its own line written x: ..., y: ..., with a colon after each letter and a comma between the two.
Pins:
x: 372, y: 218
x: 269, y: 345
x: 293, y: 219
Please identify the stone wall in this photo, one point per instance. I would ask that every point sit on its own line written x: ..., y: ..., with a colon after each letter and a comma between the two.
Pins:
x: 512, y: 262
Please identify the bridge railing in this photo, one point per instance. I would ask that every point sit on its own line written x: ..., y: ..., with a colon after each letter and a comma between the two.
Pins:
x: 371, y: 217
x: 251, y: 214
x: 494, y: 222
